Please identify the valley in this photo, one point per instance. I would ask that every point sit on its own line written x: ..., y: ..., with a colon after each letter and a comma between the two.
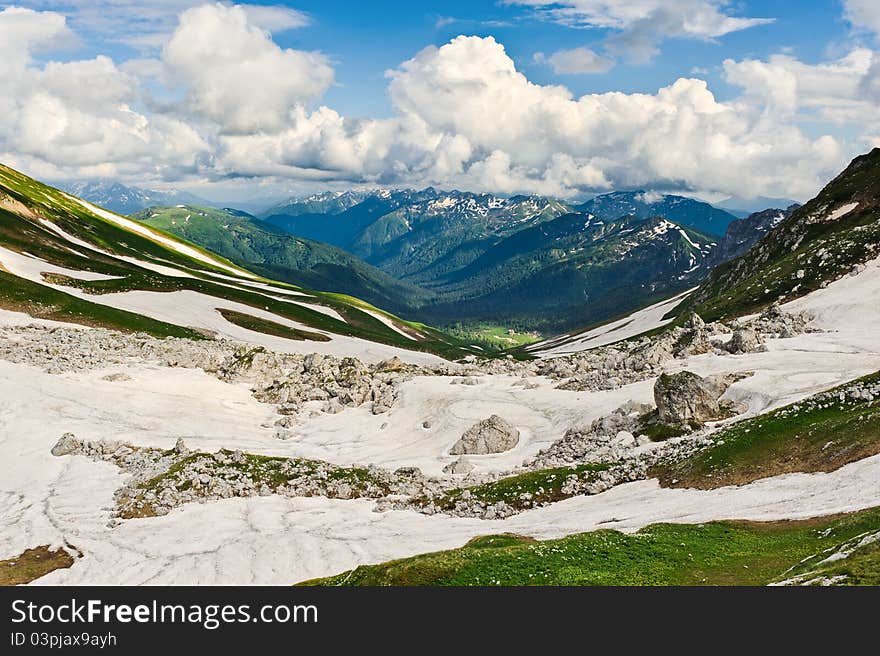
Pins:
x: 453, y: 259
x: 180, y: 405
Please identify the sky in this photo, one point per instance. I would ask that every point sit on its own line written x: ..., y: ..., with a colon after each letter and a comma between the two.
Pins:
x: 712, y: 98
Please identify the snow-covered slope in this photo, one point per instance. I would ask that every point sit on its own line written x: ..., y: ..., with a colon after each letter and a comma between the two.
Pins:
x: 277, y: 540
x: 638, y: 322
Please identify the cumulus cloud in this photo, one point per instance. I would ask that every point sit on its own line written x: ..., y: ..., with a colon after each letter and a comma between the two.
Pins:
x: 679, y: 137
x: 234, y: 73
x: 641, y: 25
x: 576, y: 61
x: 836, y: 91
x: 463, y: 116
x: 863, y: 14
x: 78, y: 115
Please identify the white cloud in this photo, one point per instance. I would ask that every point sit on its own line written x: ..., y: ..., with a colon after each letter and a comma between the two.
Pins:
x: 235, y: 75
x: 463, y: 116
x: 833, y: 91
x: 642, y: 24
x: 650, y: 197
x: 148, y: 25
x: 679, y: 137
x: 77, y: 116
x: 863, y: 14
x: 576, y: 61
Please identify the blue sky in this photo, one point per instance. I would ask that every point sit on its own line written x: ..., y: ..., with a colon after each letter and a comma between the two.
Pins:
x: 365, y: 39
x: 789, y: 93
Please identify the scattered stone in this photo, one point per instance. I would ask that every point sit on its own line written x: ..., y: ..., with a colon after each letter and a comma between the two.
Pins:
x: 745, y: 340
x: 392, y: 364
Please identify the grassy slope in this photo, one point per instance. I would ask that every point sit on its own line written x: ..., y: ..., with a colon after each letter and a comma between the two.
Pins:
x: 43, y: 302
x: 27, y: 235
x: 270, y: 327
x: 521, y: 491
x: 819, y: 434
x: 717, y: 553
x: 268, y: 250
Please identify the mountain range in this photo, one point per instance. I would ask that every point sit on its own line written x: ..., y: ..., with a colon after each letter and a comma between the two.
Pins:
x: 462, y: 258
x: 458, y: 258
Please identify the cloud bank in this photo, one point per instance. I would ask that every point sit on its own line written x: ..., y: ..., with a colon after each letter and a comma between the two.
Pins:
x: 221, y: 100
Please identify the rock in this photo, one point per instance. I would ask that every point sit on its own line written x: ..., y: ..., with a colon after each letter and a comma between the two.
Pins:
x: 460, y: 466
x: 695, y: 322
x: 745, y: 340
x: 334, y: 406
x: 624, y: 438
x: 693, y: 340
x: 66, y: 445
x: 391, y: 364
x: 685, y: 398
x: 492, y: 435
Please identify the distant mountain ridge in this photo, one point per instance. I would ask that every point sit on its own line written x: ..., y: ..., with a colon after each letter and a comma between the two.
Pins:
x: 644, y: 204
x: 124, y: 199
x: 744, y: 233
x: 451, y: 256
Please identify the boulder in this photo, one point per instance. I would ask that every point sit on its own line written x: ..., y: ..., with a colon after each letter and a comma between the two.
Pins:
x: 745, y: 340
x: 66, y: 445
x: 685, y: 398
x: 492, y: 435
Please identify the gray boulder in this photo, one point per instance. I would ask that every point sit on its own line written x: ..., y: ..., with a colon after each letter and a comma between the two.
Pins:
x: 492, y: 435
x: 685, y: 398
x: 745, y: 340
x: 66, y: 445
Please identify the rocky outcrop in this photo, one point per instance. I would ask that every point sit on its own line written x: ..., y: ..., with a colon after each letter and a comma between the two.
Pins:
x: 160, y: 480
x: 744, y: 233
x: 66, y: 445
x: 492, y: 435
